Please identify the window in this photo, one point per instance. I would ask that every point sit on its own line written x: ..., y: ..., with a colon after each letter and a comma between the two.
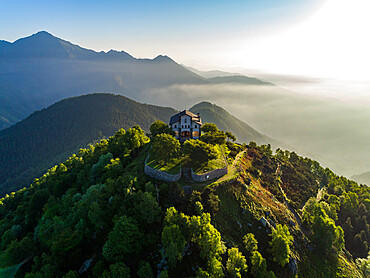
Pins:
x: 185, y: 120
x: 182, y: 126
x: 175, y: 126
x: 194, y: 126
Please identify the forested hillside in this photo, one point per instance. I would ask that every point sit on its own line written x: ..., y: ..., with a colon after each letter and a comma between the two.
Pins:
x: 50, y: 136
x: 98, y: 215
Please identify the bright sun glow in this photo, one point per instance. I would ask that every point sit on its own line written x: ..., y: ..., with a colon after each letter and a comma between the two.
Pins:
x: 333, y: 43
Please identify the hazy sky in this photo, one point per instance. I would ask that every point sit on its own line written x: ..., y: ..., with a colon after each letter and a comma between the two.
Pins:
x: 317, y: 37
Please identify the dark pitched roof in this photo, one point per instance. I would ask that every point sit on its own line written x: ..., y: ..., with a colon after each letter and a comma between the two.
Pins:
x: 194, y: 117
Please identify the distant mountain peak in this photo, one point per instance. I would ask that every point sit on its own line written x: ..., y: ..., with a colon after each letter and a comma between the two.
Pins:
x: 163, y: 58
x: 39, y: 36
x: 118, y: 54
x: 43, y: 33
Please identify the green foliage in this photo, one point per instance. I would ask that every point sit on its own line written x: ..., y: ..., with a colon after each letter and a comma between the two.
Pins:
x: 215, y: 268
x: 217, y: 138
x: 70, y: 215
x: 230, y: 136
x: 236, y: 264
x: 206, y: 236
x: 119, y: 270
x: 144, y: 207
x: 259, y: 265
x: 364, y: 266
x: 280, y: 244
x: 145, y: 271
x: 27, y: 153
x: 98, y: 168
x: 163, y: 274
x: 198, y: 208
x: 250, y: 243
x: 159, y: 127
x: 123, y: 240
x: 321, y: 216
x: 209, y: 127
x: 173, y: 243
x: 199, y: 152
x: 165, y: 147
x: 212, y: 135
x: 325, y: 234
x: 71, y: 274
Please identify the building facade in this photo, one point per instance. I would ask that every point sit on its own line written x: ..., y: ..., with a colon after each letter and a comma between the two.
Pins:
x: 186, y: 125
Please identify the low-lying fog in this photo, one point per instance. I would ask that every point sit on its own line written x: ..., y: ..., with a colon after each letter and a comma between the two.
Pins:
x: 336, y: 132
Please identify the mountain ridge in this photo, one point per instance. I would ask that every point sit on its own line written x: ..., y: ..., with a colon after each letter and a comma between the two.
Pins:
x: 42, y: 69
x: 52, y: 134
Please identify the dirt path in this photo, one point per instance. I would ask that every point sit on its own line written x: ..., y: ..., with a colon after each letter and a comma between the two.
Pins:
x: 232, y: 169
x: 236, y: 160
x: 319, y: 194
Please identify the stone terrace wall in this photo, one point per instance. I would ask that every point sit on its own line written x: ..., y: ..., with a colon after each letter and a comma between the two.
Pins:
x: 210, y: 175
x: 160, y: 175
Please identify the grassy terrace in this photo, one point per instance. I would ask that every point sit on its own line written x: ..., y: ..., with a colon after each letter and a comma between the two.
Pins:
x: 173, y: 167
x: 213, y: 164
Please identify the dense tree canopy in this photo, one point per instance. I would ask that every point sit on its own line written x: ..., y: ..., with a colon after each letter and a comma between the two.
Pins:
x: 280, y: 244
x: 198, y: 151
x: 165, y: 147
x: 159, y: 127
x: 98, y: 215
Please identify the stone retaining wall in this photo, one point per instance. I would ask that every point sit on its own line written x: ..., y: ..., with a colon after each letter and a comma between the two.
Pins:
x: 210, y: 175
x: 160, y: 175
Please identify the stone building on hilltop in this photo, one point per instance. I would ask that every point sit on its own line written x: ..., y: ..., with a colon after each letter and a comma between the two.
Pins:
x: 186, y: 125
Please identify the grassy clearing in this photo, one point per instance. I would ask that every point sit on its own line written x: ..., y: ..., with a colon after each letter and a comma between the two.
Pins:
x: 171, y: 167
x: 213, y: 164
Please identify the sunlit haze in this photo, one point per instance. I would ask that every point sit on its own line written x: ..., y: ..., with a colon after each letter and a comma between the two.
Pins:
x: 204, y: 33
x: 332, y: 43
x: 326, y: 40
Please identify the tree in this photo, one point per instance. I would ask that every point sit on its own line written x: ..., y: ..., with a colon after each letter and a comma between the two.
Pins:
x: 325, y: 234
x: 250, y: 243
x: 119, y: 270
x: 209, y: 127
x: 216, y: 138
x: 230, y: 136
x: 98, y: 168
x: 143, y: 207
x: 206, y: 236
x: 165, y: 147
x: 173, y: 243
x: 259, y: 265
x: 236, y: 264
x: 215, y: 268
x: 159, y: 127
x: 145, y: 271
x: 123, y: 241
x: 199, y: 152
x: 212, y: 135
x: 280, y: 244
x: 198, y: 208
